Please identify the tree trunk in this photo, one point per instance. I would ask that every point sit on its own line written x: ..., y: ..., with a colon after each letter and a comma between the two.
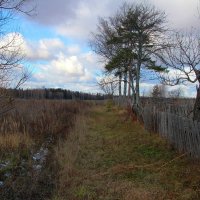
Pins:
x: 125, y: 84
x: 133, y: 89
x: 139, y: 63
x: 137, y: 107
x: 120, y: 88
x: 196, y: 115
x: 120, y: 85
x: 129, y: 84
x: 137, y: 87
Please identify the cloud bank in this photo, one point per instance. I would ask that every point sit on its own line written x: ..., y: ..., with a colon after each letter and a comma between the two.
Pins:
x: 78, y: 18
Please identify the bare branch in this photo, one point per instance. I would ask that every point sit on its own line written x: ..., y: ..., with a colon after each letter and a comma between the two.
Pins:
x: 12, y: 70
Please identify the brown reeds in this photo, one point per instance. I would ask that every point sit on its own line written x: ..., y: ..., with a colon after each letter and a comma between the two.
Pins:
x: 67, y: 152
x: 34, y: 125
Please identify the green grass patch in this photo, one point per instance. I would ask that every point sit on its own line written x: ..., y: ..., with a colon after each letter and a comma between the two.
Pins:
x: 154, y: 152
x: 84, y: 192
x: 121, y: 160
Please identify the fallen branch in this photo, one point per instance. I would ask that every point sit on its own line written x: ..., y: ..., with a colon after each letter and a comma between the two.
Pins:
x: 124, y: 168
x: 176, y: 158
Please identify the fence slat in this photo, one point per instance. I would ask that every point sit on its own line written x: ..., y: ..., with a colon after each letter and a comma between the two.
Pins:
x: 181, y: 132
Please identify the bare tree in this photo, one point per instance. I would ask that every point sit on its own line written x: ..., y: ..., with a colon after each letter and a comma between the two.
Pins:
x: 108, y: 85
x: 12, y: 71
x: 183, y: 62
x: 176, y: 93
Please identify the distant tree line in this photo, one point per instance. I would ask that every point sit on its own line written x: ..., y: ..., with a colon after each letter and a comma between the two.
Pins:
x: 52, y: 93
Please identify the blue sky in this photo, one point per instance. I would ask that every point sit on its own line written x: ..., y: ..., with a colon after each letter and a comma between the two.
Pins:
x: 55, y: 40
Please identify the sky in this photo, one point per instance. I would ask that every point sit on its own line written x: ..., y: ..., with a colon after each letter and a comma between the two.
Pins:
x: 55, y: 40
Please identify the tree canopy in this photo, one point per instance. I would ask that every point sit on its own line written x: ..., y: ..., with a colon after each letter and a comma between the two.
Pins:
x: 129, y: 41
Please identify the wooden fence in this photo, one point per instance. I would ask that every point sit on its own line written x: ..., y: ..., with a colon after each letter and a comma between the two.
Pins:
x: 173, y: 121
x: 180, y: 107
x: 183, y: 133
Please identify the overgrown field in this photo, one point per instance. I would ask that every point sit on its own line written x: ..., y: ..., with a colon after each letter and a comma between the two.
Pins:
x: 61, y: 150
x: 28, y: 136
x: 116, y: 158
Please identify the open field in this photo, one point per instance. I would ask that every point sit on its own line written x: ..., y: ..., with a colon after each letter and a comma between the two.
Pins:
x: 61, y: 150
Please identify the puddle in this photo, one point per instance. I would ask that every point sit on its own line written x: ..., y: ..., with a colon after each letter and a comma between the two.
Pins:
x: 40, y: 156
x: 38, y: 161
x: 3, y: 165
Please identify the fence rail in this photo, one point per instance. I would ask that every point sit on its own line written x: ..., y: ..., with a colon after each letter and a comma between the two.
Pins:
x: 171, y: 121
x: 183, y: 133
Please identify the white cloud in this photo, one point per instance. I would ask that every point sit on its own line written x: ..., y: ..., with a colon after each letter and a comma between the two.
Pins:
x: 90, y: 57
x: 62, y: 71
x: 87, y: 14
x: 91, y: 60
x: 73, y: 49
x: 63, y: 64
x: 47, y: 49
x: 44, y: 49
x: 67, y: 66
x: 187, y: 90
x: 78, y: 18
x: 146, y: 88
x: 181, y: 14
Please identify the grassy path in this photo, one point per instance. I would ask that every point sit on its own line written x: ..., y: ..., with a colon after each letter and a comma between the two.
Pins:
x: 118, y: 159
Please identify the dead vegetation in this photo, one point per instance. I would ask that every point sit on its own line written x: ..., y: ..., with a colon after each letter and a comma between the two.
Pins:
x: 67, y: 152
x: 94, y: 152
x: 28, y: 135
x: 118, y: 159
x: 12, y: 142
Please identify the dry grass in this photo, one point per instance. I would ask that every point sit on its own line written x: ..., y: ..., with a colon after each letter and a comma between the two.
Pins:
x: 37, y: 119
x: 32, y: 121
x: 97, y: 154
x: 14, y: 141
x: 31, y: 126
x: 119, y: 160
x: 67, y: 152
x: 135, y: 193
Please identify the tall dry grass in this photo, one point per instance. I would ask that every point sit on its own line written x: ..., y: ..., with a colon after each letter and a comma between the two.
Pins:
x: 66, y: 154
x: 14, y: 141
x: 36, y: 120
x: 32, y: 125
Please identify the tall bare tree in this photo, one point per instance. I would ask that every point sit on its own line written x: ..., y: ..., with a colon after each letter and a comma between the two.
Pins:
x: 183, y: 62
x: 12, y: 71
